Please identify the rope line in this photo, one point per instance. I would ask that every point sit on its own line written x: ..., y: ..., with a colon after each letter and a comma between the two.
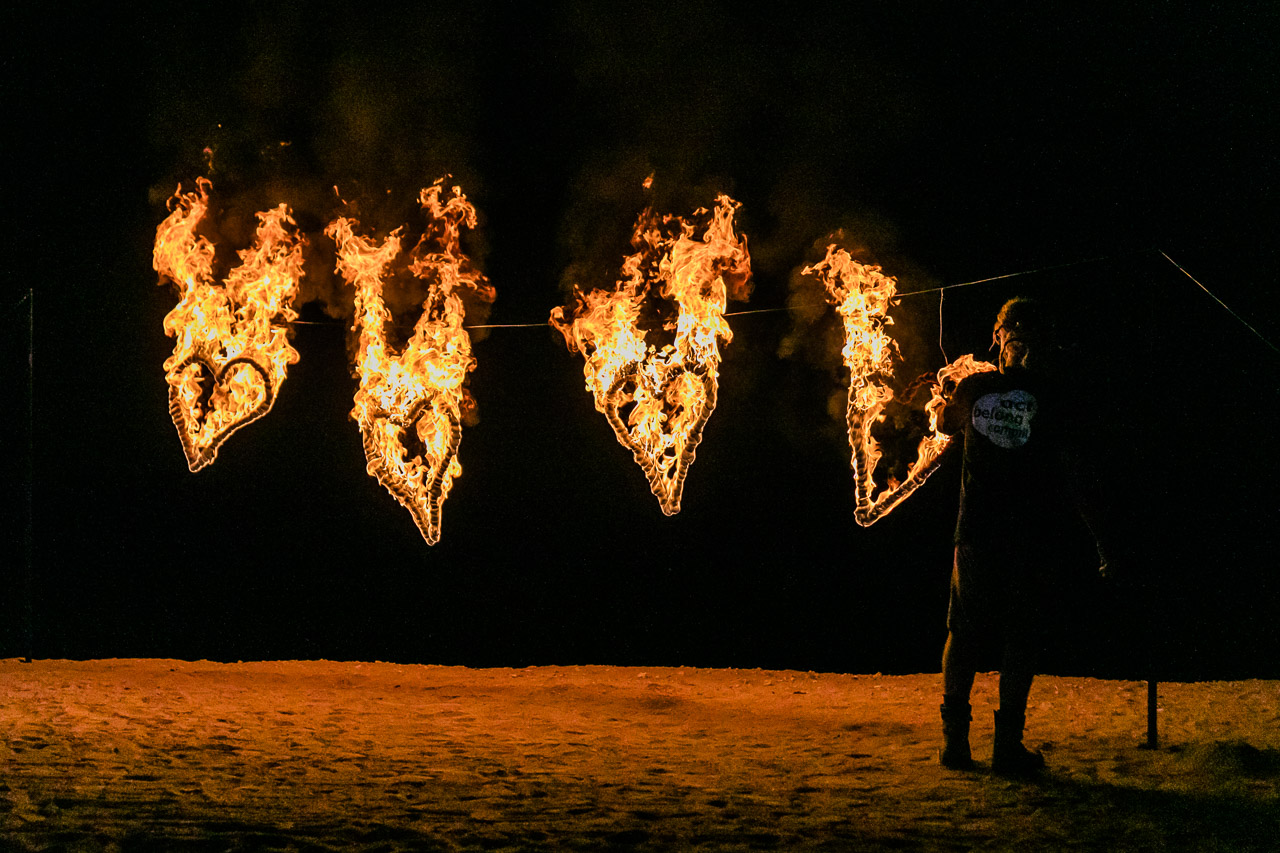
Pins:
x: 1016, y: 274
x: 401, y: 325
x: 942, y: 294
x: 766, y: 310
x: 1261, y: 337
x: 783, y: 309
x: 941, y: 290
x: 15, y: 306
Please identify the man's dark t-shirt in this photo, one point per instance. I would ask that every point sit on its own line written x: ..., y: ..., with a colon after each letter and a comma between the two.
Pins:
x: 1012, y: 487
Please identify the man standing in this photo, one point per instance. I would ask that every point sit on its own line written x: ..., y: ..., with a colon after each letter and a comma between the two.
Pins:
x: 1017, y: 481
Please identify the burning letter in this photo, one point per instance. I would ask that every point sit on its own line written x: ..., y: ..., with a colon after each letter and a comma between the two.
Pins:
x: 862, y: 295
x: 409, y: 405
x: 657, y: 385
x: 231, y: 348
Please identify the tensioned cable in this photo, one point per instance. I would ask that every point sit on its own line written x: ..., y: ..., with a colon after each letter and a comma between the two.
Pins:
x: 942, y: 291
x: 908, y: 293
x: 942, y: 294
x: 1261, y: 337
x: 30, y: 294
x: 939, y: 290
x: 487, y: 326
x: 778, y: 310
x: 1017, y: 274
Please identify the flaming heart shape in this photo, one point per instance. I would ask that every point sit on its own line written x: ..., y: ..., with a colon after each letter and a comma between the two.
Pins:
x: 240, y: 393
x: 409, y: 405
x: 862, y: 295
x: 231, y: 349
x: 658, y: 396
x: 665, y: 437
x: 419, y: 486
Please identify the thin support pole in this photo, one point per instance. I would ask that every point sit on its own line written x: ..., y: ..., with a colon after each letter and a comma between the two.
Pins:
x: 1153, y: 734
x: 28, y: 534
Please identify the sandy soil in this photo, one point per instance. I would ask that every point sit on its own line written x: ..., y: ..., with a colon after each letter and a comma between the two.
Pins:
x: 172, y: 755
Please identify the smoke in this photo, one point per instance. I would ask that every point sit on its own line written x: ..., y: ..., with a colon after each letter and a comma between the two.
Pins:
x: 656, y: 93
x: 711, y: 101
x: 815, y: 336
x: 277, y: 107
x: 582, y: 101
x: 607, y: 198
x: 274, y: 110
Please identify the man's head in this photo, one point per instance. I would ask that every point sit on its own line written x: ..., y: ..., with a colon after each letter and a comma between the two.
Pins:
x: 1023, y: 332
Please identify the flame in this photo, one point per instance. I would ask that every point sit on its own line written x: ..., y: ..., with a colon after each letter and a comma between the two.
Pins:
x: 231, y: 348
x: 409, y: 405
x: 862, y: 295
x: 669, y: 389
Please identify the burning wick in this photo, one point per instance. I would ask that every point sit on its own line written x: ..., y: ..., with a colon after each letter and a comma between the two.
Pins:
x: 409, y: 405
x: 658, y: 396
x: 862, y: 295
x: 231, y: 348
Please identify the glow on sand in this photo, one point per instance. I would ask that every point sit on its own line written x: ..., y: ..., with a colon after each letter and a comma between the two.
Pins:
x: 318, y: 755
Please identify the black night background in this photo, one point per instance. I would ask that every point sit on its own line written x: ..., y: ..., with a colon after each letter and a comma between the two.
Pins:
x: 951, y: 146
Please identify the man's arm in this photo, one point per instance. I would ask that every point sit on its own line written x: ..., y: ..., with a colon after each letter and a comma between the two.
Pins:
x: 955, y: 411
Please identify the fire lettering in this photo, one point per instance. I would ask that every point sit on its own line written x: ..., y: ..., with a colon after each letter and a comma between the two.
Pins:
x: 231, y: 349
x: 657, y: 387
x: 409, y: 405
x: 862, y: 295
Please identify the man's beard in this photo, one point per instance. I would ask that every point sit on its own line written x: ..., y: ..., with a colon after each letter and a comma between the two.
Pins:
x: 1016, y: 355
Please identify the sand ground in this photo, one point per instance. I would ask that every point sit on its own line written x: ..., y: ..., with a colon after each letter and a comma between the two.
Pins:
x: 314, y: 755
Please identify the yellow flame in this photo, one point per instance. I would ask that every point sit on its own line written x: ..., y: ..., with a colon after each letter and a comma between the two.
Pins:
x: 231, y: 349
x: 862, y: 295
x: 409, y: 404
x: 670, y: 389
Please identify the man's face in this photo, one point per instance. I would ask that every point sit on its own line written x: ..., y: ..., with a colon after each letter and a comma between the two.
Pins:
x: 1014, y: 347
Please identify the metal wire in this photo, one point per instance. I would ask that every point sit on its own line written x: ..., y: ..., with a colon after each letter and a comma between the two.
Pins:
x: 941, y: 290
x: 1261, y: 337
x: 1014, y: 274
x: 942, y: 294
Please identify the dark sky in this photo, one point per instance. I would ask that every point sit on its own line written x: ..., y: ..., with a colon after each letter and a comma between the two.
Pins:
x: 950, y: 146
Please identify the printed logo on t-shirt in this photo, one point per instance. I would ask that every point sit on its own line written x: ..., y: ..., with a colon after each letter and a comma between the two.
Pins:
x: 1005, y: 418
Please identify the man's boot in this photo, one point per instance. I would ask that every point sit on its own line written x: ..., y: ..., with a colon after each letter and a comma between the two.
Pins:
x: 1010, y: 757
x: 956, y: 715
